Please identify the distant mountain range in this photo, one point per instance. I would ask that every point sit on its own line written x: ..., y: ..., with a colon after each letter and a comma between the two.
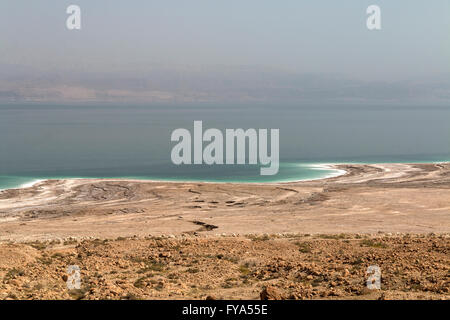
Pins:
x: 211, y: 84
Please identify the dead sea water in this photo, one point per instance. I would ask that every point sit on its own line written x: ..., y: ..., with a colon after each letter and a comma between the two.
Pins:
x: 60, y: 141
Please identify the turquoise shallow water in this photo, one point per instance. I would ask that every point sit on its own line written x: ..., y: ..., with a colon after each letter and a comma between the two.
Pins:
x: 10, y: 182
x: 52, y: 142
x: 288, y: 172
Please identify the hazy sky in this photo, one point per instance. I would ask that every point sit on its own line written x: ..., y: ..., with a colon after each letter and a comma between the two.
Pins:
x: 323, y: 37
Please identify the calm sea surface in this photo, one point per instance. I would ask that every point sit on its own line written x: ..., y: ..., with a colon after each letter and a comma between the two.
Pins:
x: 42, y: 141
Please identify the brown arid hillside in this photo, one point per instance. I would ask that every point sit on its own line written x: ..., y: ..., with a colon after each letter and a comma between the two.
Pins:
x: 252, y: 267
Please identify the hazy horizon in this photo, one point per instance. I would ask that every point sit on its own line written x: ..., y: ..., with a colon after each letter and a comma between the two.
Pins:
x: 228, y: 52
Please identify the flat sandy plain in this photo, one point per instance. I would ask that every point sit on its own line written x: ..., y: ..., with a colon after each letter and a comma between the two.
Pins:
x: 156, y: 240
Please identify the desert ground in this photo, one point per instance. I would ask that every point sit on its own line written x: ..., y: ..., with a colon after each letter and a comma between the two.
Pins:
x: 297, y: 240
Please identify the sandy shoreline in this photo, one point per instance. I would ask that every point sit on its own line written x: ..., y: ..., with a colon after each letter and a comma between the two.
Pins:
x: 321, y: 166
x: 366, y: 199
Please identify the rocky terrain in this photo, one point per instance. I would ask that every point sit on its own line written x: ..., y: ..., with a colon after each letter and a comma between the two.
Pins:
x: 283, y: 266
